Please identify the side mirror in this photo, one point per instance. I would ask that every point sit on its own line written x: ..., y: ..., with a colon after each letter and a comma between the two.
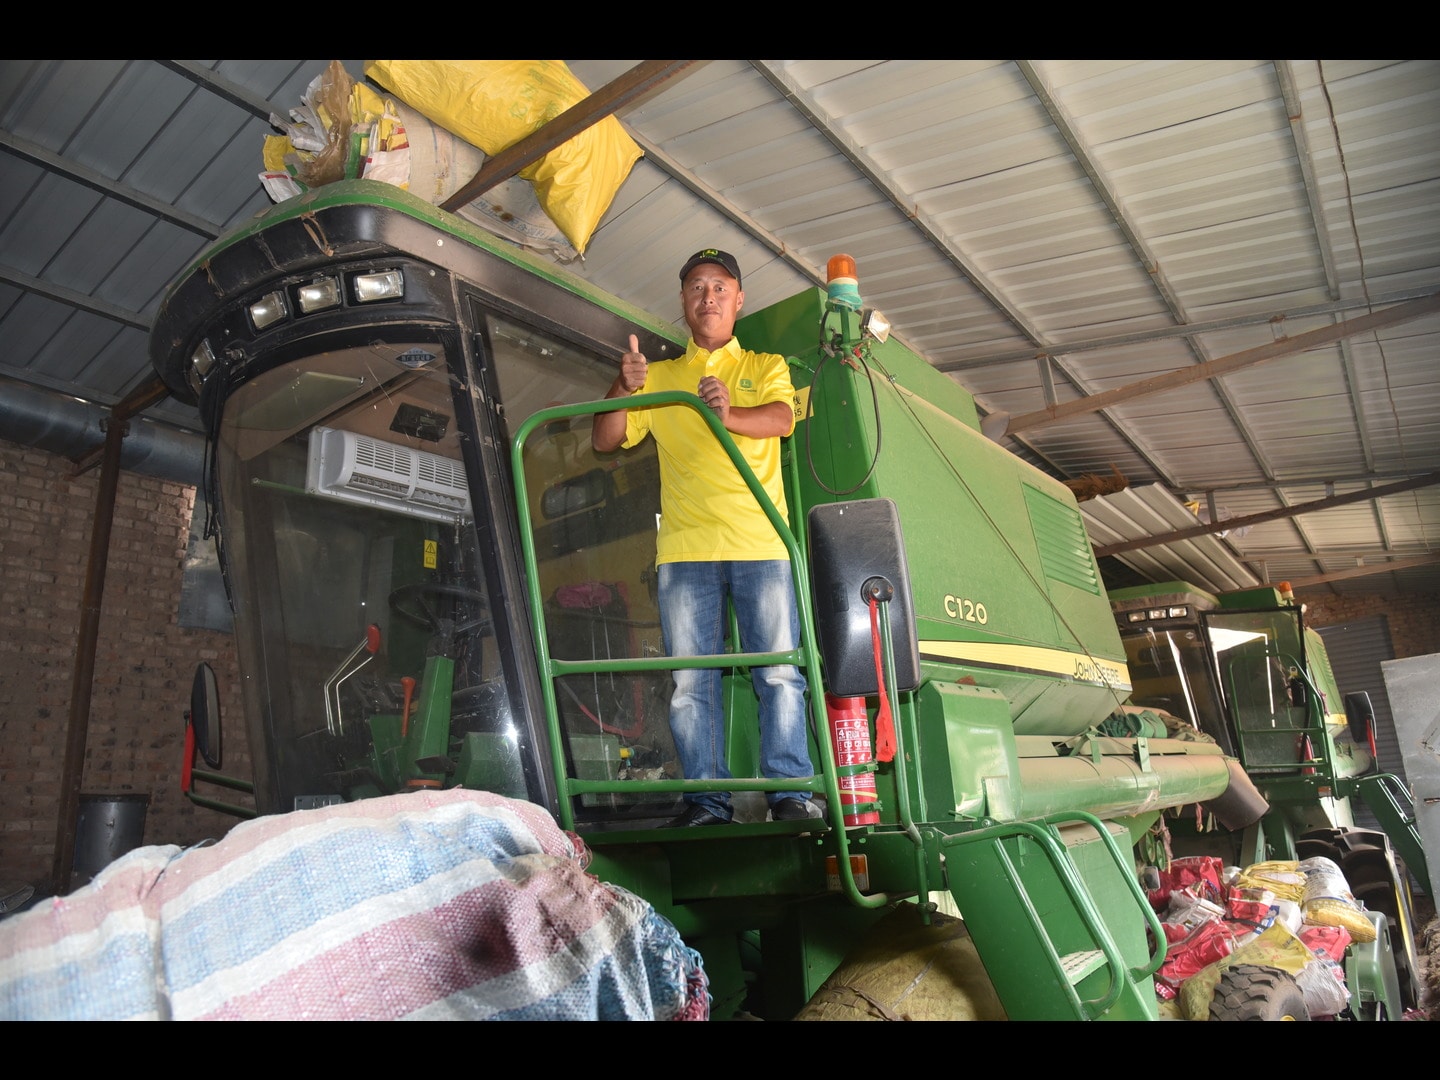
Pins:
x: 1299, y: 695
x: 1360, y: 715
x: 204, y: 715
x: 854, y: 545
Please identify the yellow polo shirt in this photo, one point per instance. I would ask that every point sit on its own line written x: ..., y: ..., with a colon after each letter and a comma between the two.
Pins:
x: 707, y: 514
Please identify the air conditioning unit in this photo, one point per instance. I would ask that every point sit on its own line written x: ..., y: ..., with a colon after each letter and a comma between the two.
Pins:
x: 359, y: 469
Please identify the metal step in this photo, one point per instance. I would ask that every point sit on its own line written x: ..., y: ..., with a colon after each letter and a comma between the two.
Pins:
x: 1078, y: 965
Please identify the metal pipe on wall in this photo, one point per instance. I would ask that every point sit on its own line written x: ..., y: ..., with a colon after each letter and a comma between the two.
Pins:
x: 73, y: 428
x: 83, y: 675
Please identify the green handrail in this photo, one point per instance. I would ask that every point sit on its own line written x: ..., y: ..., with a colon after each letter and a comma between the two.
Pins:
x: 221, y: 780
x: 806, y: 657
x: 1390, y: 801
x: 1041, y: 832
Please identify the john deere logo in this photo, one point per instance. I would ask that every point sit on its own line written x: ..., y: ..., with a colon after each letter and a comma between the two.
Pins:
x: 746, y: 384
x: 710, y: 251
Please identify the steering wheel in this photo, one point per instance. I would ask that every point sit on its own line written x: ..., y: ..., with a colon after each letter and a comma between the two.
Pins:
x: 421, y: 603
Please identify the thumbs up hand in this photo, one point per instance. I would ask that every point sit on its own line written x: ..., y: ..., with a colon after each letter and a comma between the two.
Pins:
x: 633, y: 366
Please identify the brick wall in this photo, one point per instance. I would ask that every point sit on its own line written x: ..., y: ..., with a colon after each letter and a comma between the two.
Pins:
x: 144, y: 662
x: 1414, y: 620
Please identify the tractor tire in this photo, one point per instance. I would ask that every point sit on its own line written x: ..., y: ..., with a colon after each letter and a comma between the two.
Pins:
x: 1252, y: 992
x: 1320, y: 843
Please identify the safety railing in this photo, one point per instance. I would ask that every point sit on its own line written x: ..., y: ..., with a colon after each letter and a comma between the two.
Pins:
x: 806, y: 657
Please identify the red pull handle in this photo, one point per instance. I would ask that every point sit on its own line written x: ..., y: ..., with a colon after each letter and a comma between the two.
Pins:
x: 409, y: 684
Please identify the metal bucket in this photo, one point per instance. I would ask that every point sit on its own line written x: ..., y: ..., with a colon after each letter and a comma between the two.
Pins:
x: 106, y: 827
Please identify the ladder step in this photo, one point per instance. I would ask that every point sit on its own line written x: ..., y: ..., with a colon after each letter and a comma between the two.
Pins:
x: 1078, y: 965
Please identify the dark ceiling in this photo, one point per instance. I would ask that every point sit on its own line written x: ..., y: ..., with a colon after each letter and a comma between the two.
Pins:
x: 1216, y: 278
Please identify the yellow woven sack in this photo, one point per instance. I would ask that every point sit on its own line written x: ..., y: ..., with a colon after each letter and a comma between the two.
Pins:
x: 1333, y: 912
x: 1329, y: 902
x: 1284, y: 878
x: 493, y: 104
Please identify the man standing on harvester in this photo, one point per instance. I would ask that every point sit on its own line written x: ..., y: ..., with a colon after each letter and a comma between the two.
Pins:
x: 714, y: 540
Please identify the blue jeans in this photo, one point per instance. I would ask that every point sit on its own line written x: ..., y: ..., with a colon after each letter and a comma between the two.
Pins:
x: 693, y: 619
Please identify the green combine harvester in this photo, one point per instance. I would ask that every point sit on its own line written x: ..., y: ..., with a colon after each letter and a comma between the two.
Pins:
x: 1245, y: 669
x: 436, y: 582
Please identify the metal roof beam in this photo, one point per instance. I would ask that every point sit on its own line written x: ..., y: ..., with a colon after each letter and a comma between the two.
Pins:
x: 1285, y: 346
x: 831, y: 128
x: 111, y: 189
x: 1122, y: 432
x: 1144, y: 337
x: 616, y: 94
x: 1408, y: 551
x: 1352, y: 386
x: 1068, y: 131
x: 667, y: 164
x: 1365, y: 571
x: 233, y: 92
x: 71, y: 298
x: 1284, y: 72
x: 1292, y: 481
x: 1299, y: 526
x: 1236, y: 417
x: 1362, y: 429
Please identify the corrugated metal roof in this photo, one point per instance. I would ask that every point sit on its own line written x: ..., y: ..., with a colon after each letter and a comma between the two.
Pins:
x: 1043, y: 230
x: 1149, y: 510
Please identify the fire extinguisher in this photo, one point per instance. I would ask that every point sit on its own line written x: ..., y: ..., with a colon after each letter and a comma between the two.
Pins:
x: 850, y: 739
x: 1307, y: 754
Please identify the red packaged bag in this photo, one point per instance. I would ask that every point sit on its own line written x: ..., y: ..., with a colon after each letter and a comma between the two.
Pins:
x: 1249, y: 914
x: 1199, y: 875
x: 1332, y: 941
x: 1206, y: 944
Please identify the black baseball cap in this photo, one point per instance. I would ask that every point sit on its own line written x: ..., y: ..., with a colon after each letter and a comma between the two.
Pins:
x: 712, y: 255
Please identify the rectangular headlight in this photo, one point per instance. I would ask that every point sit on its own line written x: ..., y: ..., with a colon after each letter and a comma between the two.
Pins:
x: 876, y: 325
x: 318, y: 295
x: 201, y: 361
x: 266, y: 311
x: 380, y: 285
